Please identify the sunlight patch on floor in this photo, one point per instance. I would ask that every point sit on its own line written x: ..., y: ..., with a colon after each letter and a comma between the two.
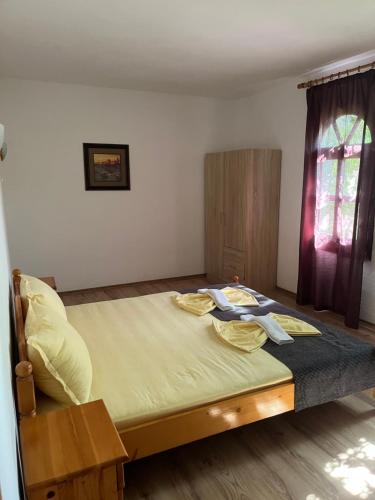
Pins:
x: 355, y: 469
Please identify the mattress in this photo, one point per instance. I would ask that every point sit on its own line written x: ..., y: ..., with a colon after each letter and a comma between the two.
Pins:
x: 151, y: 359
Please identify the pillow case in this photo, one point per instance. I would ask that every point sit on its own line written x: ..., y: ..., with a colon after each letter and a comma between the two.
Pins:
x: 31, y: 286
x: 61, y: 362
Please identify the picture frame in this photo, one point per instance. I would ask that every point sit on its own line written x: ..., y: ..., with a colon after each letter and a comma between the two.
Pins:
x: 106, y: 166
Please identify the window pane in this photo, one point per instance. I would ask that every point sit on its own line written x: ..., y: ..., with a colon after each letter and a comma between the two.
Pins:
x: 329, y: 138
x: 335, y: 209
x: 345, y: 124
x: 358, y: 135
x: 328, y: 174
x: 325, y: 219
x: 350, y: 177
x: 346, y: 221
x: 368, y: 137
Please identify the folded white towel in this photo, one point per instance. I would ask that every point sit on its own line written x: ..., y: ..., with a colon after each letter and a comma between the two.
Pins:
x: 219, y: 298
x: 245, y: 288
x: 271, y: 327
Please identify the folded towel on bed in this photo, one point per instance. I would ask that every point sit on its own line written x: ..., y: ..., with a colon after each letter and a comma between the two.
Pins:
x: 294, y: 326
x: 271, y: 326
x: 219, y: 297
x: 240, y: 296
x: 203, y: 303
x: 195, y: 303
x: 244, y: 335
x: 252, y: 331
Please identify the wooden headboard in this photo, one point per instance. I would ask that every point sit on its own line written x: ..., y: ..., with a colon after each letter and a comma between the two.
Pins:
x: 24, y: 369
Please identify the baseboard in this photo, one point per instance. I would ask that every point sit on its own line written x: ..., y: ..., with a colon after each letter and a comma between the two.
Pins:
x: 136, y: 283
x: 288, y: 292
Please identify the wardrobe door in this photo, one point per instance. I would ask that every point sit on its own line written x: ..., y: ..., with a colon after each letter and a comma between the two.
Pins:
x: 235, y: 198
x: 236, y: 165
x: 262, y: 230
x: 214, y: 215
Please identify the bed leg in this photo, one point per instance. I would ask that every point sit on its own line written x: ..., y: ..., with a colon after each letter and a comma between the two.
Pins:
x: 25, y: 389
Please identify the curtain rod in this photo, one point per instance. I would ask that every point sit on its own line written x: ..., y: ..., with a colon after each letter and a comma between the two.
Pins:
x: 340, y: 74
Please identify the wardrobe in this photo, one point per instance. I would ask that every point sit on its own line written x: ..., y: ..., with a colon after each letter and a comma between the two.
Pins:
x: 242, y: 197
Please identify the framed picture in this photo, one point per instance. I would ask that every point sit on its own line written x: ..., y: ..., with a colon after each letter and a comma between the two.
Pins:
x: 106, y: 166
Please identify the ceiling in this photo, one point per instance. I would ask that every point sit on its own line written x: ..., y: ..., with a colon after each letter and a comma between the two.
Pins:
x: 217, y: 48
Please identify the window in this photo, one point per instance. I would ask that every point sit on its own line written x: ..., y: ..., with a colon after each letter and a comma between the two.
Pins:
x: 337, y: 178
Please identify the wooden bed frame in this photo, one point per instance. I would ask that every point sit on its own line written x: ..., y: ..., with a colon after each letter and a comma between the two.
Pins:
x: 168, y: 431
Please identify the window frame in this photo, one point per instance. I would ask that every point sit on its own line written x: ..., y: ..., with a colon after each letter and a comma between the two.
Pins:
x: 337, y: 153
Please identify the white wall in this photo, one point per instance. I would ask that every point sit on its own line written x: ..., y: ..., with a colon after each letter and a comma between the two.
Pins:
x: 276, y: 117
x: 8, y: 449
x: 89, y: 239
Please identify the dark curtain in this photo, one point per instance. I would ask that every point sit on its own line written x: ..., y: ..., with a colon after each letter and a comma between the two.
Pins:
x: 337, y: 221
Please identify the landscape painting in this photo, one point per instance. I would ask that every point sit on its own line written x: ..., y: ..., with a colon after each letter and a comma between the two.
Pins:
x: 106, y: 166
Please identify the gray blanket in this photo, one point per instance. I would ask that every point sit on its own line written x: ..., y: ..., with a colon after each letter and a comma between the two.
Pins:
x: 324, y: 368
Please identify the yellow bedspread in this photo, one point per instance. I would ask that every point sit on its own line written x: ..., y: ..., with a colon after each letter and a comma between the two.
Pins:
x: 151, y: 358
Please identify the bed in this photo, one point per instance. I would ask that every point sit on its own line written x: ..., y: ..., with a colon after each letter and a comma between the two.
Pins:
x: 164, y: 376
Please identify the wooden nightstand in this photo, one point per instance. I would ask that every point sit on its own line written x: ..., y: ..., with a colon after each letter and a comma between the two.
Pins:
x: 70, y: 454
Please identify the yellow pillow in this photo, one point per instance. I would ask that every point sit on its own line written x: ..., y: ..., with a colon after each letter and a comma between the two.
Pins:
x: 61, y: 362
x: 31, y: 286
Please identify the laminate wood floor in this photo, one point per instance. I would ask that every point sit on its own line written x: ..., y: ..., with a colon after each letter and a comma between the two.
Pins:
x: 323, y: 453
